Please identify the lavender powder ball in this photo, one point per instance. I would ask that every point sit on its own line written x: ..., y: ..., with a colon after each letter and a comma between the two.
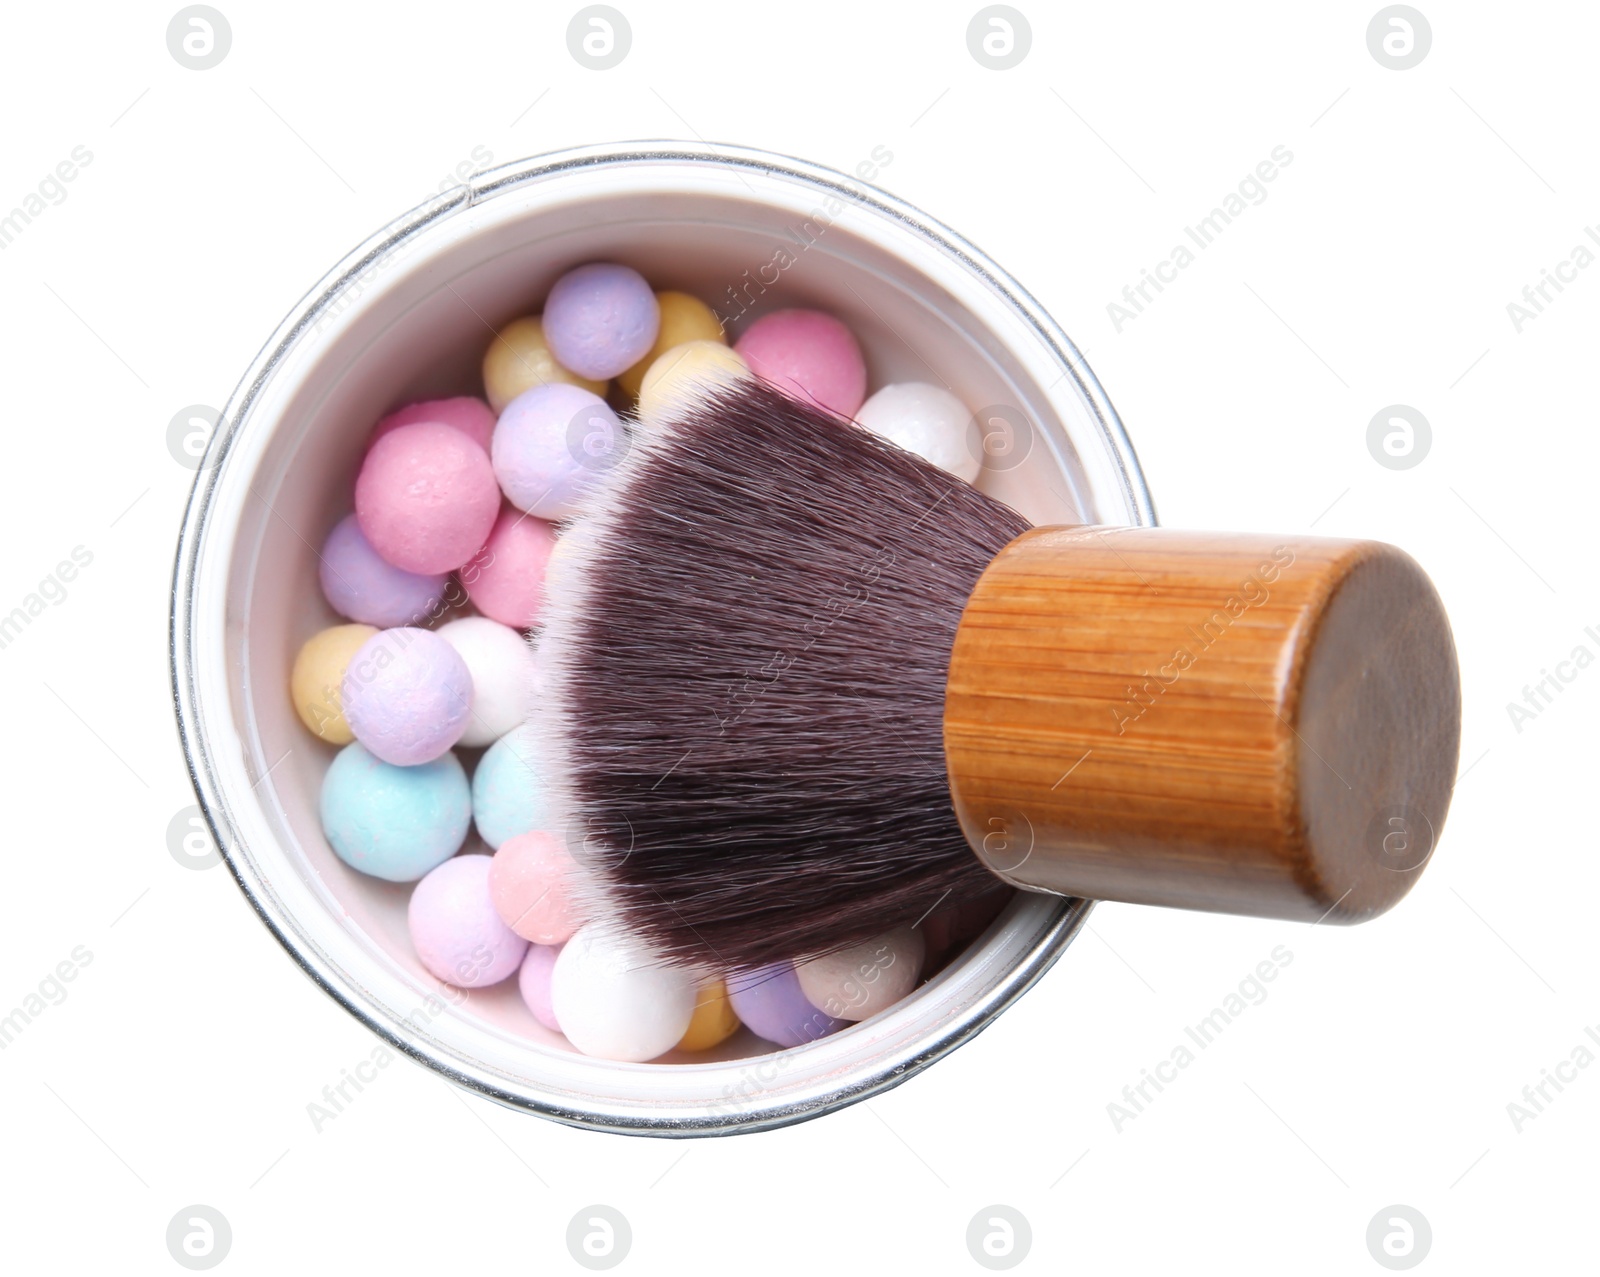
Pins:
x: 551, y: 444
x: 455, y: 930
x: 407, y: 696
x: 770, y: 1002
x: 360, y: 584
x: 533, y: 981
x: 601, y: 319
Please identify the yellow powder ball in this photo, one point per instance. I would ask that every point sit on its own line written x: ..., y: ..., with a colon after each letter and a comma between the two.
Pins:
x: 713, y: 1021
x: 318, y: 672
x: 518, y: 359
x: 683, y: 318
x: 682, y: 372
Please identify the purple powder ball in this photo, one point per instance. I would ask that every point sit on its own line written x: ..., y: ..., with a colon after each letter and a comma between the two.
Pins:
x: 360, y: 584
x: 601, y: 319
x: 407, y: 695
x: 769, y: 1000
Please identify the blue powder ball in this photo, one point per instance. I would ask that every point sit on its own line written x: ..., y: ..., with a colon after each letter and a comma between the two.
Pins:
x: 392, y: 822
x: 509, y: 796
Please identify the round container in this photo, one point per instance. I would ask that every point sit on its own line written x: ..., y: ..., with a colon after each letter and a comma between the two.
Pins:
x: 407, y: 316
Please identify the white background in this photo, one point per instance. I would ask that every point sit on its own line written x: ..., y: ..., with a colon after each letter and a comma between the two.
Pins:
x: 1378, y: 271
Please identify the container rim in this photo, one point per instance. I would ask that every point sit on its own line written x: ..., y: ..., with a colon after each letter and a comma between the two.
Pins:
x: 1069, y: 914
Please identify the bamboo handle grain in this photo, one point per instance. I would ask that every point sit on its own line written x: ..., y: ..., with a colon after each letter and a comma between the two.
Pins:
x: 1242, y: 724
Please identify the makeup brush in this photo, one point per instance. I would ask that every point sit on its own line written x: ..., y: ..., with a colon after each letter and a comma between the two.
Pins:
x: 802, y: 686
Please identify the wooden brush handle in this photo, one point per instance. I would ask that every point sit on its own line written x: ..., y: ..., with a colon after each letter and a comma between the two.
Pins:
x: 1245, y: 724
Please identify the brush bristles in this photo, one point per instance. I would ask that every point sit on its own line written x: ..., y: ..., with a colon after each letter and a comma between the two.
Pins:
x: 746, y: 650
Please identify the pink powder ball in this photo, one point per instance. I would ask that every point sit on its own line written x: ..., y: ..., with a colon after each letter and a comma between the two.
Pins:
x: 426, y: 497
x: 534, y: 983
x: 809, y: 355
x: 531, y: 882
x: 472, y: 417
x: 407, y: 695
x: 457, y: 934
x: 505, y: 580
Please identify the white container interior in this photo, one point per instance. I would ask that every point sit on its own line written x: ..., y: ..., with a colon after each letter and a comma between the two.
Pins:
x: 408, y: 316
